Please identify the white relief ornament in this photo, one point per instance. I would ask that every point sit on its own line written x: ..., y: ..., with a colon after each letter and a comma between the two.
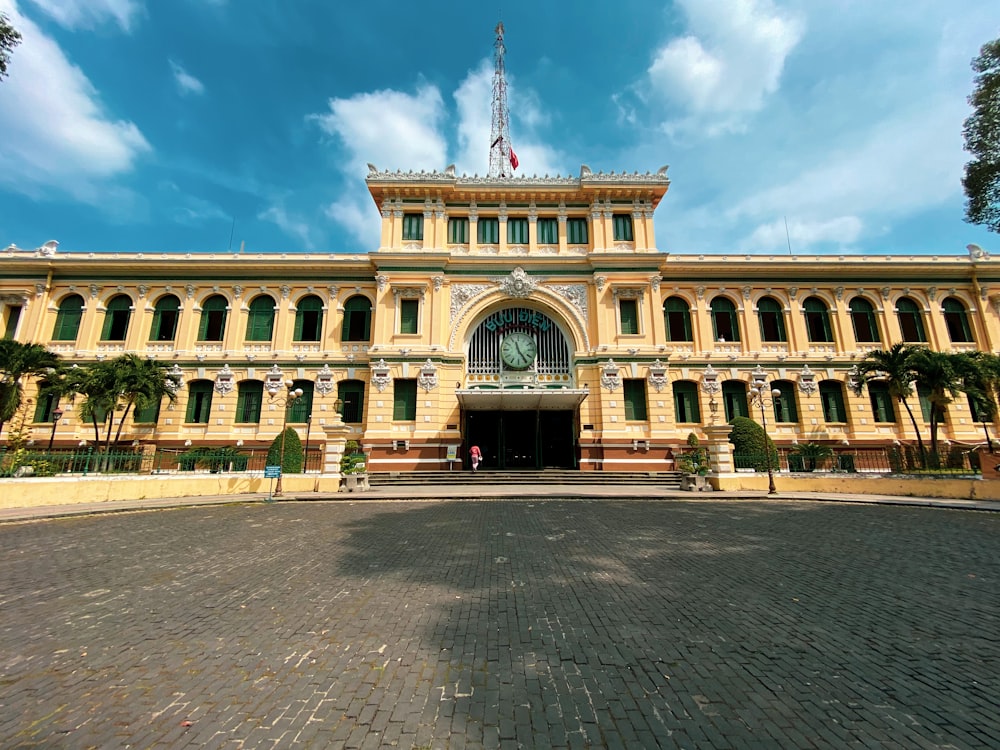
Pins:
x: 143, y: 290
x: 658, y: 375
x: 654, y: 281
x: 274, y: 381
x: 807, y: 381
x: 190, y: 289
x: 518, y: 284
x: 176, y: 374
x: 462, y: 293
x: 575, y: 294
x: 225, y: 381
x: 438, y: 282
x: 610, y: 378
x: 324, y: 381
x: 380, y: 375
x: 428, y: 378
x: 381, y: 280
x: 285, y: 291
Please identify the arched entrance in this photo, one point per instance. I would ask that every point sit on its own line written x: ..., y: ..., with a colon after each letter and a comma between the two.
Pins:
x: 520, y: 405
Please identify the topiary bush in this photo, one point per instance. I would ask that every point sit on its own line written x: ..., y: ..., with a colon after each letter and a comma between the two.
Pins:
x: 293, y: 452
x: 694, y: 461
x: 353, y: 460
x: 750, y: 450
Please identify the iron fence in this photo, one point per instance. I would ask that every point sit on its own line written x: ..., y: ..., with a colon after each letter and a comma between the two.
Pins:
x: 885, y: 460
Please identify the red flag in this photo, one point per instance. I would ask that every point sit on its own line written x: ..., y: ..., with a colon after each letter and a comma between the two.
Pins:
x: 513, y: 159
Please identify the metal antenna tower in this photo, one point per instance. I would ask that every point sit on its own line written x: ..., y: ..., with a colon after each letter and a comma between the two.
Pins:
x: 502, y: 160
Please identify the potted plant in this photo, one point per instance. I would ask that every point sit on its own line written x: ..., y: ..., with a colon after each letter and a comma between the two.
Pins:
x: 809, y: 455
x: 695, y: 465
x: 353, y: 467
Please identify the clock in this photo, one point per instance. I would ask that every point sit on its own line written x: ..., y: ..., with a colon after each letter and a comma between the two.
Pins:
x: 518, y: 350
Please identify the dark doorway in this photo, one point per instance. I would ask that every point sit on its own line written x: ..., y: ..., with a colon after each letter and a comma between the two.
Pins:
x: 522, y: 439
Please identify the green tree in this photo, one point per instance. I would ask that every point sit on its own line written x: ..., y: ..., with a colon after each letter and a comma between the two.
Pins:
x: 18, y: 361
x: 292, y: 463
x: 982, y: 384
x: 9, y: 38
x: 982, y: 140
x: 894, y: 367
x: 750, y: 443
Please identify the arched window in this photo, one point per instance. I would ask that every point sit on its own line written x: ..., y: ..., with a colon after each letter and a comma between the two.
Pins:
x: 911, y: 323
x: 357, y: 319
x: 957, y: 321
x: 302, y: 407
x: 725, y: 325
x: 117, y: 315
x: 68, y: 318
x: 249, y: 401
x: 864, y: 321
x: 260, y: 320
x: 308, y: 319
x: 734, y: 399
x: 772, y: 320
x: 817, y: 320
x: 199, y: 406
x: 785, y: 408
x: 165, y: 316
x: 831, y: 396
x: 214, y: 312
x: 686, y: 401
x: 881, y: 401
x: 677, y: 319
x: 352, y: 393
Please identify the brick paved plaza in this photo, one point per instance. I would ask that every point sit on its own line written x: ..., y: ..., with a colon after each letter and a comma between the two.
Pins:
x: 708, y: 624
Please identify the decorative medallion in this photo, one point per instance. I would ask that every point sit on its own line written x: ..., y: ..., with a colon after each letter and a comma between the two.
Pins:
x: 428, y: 378
x: 610, y: 378
x: 380, y: 375
x: 324, y: 381
x: 225, y: 381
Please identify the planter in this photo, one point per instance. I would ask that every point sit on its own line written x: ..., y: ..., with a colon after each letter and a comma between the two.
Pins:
x: 354, y: 483
x: 695, y: 483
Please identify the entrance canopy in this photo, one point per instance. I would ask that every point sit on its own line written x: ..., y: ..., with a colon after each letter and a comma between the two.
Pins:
x: 521, y: 399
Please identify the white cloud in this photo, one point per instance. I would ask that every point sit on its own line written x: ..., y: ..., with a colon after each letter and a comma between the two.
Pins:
x: 288, y: 224
x: 802, y: 235
x: 56, y: 132
x: 186, y: 83
x: 359, y: 218
x: 726, y: 67
x: 86, y: 14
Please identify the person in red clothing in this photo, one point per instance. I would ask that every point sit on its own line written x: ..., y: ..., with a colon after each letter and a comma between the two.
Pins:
x: 475, y: 457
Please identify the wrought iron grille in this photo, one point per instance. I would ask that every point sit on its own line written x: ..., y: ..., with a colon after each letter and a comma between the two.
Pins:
x: 484, y: 347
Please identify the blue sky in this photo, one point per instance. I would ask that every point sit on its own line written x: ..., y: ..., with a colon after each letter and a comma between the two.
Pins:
x: 151, y: 125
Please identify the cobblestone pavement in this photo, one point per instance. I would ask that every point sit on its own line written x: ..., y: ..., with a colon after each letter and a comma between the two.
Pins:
x: 532, y: 623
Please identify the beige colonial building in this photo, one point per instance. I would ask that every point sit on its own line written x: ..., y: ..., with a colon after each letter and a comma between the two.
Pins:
x: 534, y: 317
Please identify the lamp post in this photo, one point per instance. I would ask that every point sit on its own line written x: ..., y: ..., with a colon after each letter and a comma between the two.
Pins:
x: 760, y: 397
x: 56, y: 416
x: 292, y: 394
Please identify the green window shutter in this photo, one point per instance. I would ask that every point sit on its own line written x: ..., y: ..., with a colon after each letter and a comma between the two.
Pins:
x: 165, y: 316
x: 622, y: 224
x: 924, y: 396
x: 260, y: 320
x: 357, y: 319
x: 10, y: 324
x: 576, y: 231
x: 408, y: 315
x: 352, y: 393
x: 734, y: 399
x: 249, y: 402
x: 881, y: 402
x: 548, y: 231
x: 212, y: 326
x: 629, y: 312
x: 404, y: 400
x: 772, y: 320
x: 517, y: 231
x: 956, y: 321
x: 832, y: 398
x: 413, y: 226
x: 863, y: 320
x: 784, y: 406
x: 116, y: 318
x: 148, y: 414
x: 199, y: 407
x: 686, y: 407
x: 68, y: 318
x: 458, y: 231
x: 301, y: 408
x: 677, y: 319
x: 44, y: 407
x: 634, y: 395
x: 489, y: 231
x: 911, y: 322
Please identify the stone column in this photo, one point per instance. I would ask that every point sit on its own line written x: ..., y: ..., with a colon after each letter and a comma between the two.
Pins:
x: 720, y: 450
x: 336, y: 441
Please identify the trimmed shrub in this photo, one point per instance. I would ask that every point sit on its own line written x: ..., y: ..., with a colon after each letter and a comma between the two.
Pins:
x: 353, y: 460
x: 750, y: 449
x: 293, y: 452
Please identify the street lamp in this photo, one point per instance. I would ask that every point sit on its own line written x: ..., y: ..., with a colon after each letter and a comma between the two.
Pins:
x: 56, y: 416
x: 292, y: 394
x: 760, y: 397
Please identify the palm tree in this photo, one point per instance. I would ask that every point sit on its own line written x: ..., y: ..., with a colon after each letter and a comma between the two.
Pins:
x: 982, y: 383
x: 17, y: 361
x: 893, y: 367
x: 941, y: 375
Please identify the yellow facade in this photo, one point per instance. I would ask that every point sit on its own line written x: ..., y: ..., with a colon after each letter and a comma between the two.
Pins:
x: 636, y: 345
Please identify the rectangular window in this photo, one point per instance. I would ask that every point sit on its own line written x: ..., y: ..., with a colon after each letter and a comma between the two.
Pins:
x: 576, y: 231
x: 548, y: 231
x: 924, y: 396
x: 634, y: 395
x: 489, y: 231
x: 413, y: 226
x: 199, y: 405
x: 622, y: 227
x: 147, y: 415
x: 686, y: 403
x: 517, y: 231
x: 458, y: 231
x: 249, y: 402
x: 404, y: 400
x: 45, y: 406
x: 881, y: 402
x: 10, y: 325
x: 409, y: 310
x: 832, y: 398
x: 628, y: 310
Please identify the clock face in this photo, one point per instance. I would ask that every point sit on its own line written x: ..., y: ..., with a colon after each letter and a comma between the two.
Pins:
x: 518, y: 351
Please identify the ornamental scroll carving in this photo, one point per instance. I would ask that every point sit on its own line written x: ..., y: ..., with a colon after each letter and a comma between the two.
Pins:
x: 518, y: 284
x: 462, y: 293
x: 380, y: 375
x: 225, y: 381
x: 575, y: 294
x: 611, y: 380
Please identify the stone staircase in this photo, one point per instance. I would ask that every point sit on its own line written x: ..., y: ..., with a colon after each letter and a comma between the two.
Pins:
x: 663, y: 479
